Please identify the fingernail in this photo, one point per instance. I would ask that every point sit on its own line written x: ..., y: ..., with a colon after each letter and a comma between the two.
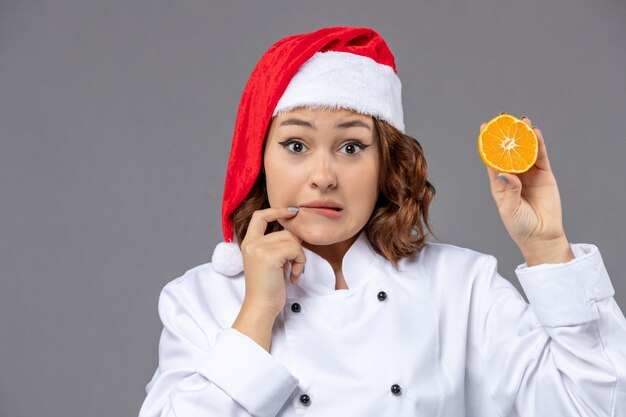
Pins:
x: 524, y: 117
x: 503, y: 113
x: 503, y: 178
x: 290, y: 208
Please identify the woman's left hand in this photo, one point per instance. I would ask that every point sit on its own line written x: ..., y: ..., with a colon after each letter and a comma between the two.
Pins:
x: 530, y: 208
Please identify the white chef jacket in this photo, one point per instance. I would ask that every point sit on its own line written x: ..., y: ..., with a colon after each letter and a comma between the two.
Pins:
x: 446, y: 335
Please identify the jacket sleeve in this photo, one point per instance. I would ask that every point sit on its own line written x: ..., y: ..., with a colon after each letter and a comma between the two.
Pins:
x: 206, y: 372
x: 561, y: 354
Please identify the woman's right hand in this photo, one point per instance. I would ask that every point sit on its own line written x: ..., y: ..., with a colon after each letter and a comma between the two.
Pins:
x: 265, y: 258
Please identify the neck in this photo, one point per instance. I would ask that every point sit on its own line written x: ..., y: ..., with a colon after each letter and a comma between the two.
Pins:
x: 333, y: 253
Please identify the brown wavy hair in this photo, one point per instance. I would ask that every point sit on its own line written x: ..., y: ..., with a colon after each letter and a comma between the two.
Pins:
x: 401, y: 210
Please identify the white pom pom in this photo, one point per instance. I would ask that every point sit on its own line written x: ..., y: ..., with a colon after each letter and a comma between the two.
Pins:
x: 227, y: 259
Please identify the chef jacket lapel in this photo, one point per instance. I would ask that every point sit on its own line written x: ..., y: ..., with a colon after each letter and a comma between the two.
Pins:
x: 318, y: 277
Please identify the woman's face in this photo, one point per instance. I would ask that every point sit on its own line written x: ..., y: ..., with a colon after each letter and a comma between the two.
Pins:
x: 323, y: 154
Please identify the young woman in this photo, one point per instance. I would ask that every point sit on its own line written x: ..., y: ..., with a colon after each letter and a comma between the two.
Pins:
x: 331, y: 301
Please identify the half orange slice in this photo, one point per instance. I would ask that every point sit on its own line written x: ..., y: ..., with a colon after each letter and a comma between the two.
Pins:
x: 508, y: 144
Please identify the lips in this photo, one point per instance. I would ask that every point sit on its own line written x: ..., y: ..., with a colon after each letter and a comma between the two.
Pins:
x: 325, y: 204
x: 327, y: 208
x: 331, y: 213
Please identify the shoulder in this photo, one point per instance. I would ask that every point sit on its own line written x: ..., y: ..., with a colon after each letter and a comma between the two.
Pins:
x: 434, y: 252
x: 202, y: 280
x: 456, y: 274
x: 450, y: 249
x: 447, y: 256
x: 202, y: 291
x: 191, y: 280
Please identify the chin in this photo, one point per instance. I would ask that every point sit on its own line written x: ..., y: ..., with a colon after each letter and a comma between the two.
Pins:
x: 321, y: 235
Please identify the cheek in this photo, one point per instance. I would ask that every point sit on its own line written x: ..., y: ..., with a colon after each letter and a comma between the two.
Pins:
x: 361, y: 188
x: 282, y: 183
x: 365, y: 178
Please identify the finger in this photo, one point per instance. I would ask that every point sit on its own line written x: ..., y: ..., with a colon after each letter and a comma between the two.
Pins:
x: 506, y: 182
x: 290, y: 247
x: 526, y: 120
x: 542, y: 156
x: 296, y: 271
x: 507, y: 193
x: 281, y: 237
x: 260, y: 219
x: 297, y: 263
x: 297, y: 266
x: 492, y: 175
x: 292, y: 274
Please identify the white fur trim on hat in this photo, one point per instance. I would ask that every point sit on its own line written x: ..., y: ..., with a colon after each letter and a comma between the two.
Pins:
x: 227, y: 259
x: 335, y: 79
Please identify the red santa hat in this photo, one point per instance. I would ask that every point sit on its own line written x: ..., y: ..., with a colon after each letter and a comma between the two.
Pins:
x: 334, y: 67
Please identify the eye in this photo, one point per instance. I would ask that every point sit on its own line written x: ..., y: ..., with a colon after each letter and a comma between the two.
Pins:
x: 357, y: 144
x: 289, y: 142
x: 299, y: 145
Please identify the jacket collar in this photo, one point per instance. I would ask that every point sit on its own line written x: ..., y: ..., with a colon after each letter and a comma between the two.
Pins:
x: 318, y: 277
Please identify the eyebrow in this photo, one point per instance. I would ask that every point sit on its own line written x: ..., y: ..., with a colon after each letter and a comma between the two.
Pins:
x: 344, y: 125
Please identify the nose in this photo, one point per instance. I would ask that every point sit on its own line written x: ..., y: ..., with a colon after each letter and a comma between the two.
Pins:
x: 323, y: 173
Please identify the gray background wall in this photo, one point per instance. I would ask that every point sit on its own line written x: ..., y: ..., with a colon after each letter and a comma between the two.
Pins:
x: 115, y: 123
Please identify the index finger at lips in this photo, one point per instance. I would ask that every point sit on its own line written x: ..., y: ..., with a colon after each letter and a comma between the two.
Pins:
x: 260, y: 219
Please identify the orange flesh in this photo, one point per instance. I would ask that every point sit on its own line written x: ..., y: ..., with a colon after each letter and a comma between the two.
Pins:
x: 508, y: 144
